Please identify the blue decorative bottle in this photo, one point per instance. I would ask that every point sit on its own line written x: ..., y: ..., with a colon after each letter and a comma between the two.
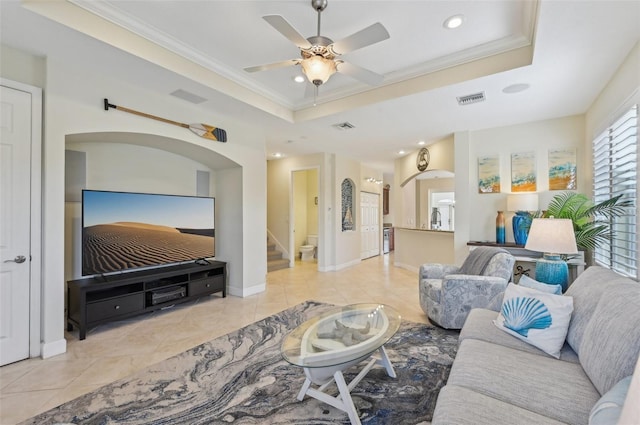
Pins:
x: 520, y: 232
x: 500, y: 232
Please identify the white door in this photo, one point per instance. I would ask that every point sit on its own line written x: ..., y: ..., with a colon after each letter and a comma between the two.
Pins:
x: 15, y: 205
x: 370, y: 224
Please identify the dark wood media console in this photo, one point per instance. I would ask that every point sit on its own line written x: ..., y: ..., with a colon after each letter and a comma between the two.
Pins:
x: 97, y: 300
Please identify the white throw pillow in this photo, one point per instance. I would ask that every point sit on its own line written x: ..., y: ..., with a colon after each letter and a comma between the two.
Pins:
x: 527, y: 282
x: 538, y: 318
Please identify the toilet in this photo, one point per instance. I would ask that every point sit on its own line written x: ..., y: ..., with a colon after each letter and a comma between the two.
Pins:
x: 308, y: 251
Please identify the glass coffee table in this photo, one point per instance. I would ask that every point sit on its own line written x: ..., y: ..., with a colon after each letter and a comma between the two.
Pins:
x: 327, y: 345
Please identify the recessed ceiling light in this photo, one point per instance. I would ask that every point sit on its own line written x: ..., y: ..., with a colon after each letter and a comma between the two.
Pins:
x: 453, y: 22
x: 298, y: 79
x: 277, y: 154
x: 421, y: 142
x: 515, y: 88
x: 401, y: 152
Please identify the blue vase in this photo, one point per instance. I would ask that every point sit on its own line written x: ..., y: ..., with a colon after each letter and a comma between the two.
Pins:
x: 553, y: 270
x: 520, y: 233
x: 500, y: 232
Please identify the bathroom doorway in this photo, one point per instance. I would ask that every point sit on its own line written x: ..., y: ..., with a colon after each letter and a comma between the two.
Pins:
x: 303, y: 217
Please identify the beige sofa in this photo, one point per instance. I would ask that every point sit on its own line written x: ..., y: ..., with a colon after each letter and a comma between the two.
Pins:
x: 499, y: 379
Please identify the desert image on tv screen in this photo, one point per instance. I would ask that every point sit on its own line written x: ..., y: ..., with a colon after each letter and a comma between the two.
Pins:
x: 131, y: 230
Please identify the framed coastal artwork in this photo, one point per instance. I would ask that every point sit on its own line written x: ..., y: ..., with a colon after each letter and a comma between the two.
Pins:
x: 489, y: 174
x: 523, y: 172
x: 562, y: 169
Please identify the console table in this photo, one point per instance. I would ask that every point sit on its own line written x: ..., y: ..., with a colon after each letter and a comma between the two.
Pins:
x: 100, y: 299
x: 526, y: 260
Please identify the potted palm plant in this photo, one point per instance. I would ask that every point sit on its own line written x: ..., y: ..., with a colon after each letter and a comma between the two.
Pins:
x: 591, y: 222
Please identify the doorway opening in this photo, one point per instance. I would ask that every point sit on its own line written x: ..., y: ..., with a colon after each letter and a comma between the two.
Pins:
x: 304, y: 237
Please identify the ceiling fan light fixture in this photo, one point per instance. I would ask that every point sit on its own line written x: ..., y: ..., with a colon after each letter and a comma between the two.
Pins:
x: 318, y: 69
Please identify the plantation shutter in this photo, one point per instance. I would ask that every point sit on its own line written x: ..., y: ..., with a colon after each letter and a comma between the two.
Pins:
x: 615, y: 159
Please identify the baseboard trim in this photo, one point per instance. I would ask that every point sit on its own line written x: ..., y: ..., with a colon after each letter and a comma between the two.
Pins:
x: 407, y: 267
x: 246, y: 292
x: 339, y: 266
x: 50, y: 349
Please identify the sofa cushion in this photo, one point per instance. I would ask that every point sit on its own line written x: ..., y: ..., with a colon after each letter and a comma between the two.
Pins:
x: 479, y: 409
x: 538, y: 318
x: 479, y: 325
x: 607, y: 410
x: 527, y: 282
x: 556, y: 389
x: 611, y: 343
x: 586, y: 291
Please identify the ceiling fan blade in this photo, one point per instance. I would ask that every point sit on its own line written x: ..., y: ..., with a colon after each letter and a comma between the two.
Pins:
x: 359, y: 73
x: 285, y: 28
x: 275, y: 65
x: 363, y: 38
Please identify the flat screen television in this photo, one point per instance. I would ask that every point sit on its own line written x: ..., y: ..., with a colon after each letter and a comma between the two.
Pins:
x: 122, y: 231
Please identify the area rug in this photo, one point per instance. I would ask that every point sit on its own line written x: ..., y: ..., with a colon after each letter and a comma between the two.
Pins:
x: 241, y: 378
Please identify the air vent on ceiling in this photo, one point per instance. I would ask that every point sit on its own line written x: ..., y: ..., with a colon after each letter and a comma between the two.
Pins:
x: 344, y: 126
x: 471, y: 98
x: 189, y: 97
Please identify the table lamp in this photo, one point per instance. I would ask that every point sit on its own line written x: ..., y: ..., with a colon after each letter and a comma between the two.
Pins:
x: 522, y: 204
x: 552, y: 237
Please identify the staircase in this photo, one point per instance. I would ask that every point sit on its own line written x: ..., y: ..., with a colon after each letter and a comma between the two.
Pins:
x: 274, y: 258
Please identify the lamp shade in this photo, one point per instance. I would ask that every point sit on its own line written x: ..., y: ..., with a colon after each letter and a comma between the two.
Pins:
x: 318, y: 69
x: 552, y: 235
x: 522, y: 202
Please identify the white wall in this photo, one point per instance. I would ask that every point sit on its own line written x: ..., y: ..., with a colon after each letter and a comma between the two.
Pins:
x: 536, y: 137
x: 20, y: 66
x: 619, y: 94
x: 279, y: 190
x: 389, y: 218
x: 312, y: 201
x: 73, y: 105
x: 299, y: 209
x: 243, y: 278
x: 405, y: 193
x: 126, y: 168
x: 348, y: 243
x: 475, y: 213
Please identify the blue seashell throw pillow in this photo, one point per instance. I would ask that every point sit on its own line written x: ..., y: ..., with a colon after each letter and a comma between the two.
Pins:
x: 538, y: 318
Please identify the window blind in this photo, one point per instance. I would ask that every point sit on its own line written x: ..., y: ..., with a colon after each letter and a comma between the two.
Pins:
x: 615, y: 160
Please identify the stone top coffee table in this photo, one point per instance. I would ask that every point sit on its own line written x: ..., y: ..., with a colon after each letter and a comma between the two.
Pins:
x: 327, y: 345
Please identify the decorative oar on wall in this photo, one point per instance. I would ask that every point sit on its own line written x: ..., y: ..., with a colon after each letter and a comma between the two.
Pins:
x: 202, y: 130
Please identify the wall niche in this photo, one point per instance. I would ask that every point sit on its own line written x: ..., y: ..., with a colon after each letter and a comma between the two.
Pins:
x: 348, y: 215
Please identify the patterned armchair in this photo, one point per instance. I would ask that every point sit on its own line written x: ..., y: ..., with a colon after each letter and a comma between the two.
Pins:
x: 448, y: 293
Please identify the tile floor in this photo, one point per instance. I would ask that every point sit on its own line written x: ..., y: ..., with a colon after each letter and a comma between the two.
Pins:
x: 114, y: 351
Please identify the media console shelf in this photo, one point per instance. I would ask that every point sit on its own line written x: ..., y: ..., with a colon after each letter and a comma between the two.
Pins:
x: 96, y: 300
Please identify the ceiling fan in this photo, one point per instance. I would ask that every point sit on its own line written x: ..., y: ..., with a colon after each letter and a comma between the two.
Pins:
x: 320, y: 55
